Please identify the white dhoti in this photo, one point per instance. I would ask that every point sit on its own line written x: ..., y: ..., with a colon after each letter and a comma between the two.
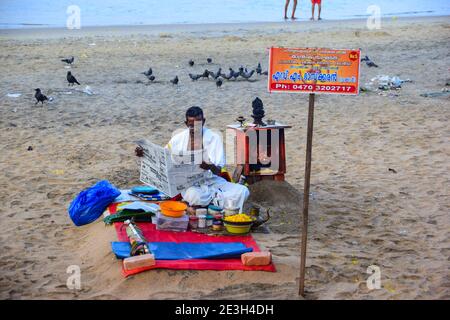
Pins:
x: 217, y: 190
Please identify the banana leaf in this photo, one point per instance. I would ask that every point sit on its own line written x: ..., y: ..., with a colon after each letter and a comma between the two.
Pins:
x: 122, y: 215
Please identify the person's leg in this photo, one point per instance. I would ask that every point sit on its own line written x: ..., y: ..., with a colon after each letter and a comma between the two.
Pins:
x: 293, y: 10
x: 286, y: 8
x: 198, y: 196
x: 312, y: 11
x: 320, y: 8
x: 236, y: 192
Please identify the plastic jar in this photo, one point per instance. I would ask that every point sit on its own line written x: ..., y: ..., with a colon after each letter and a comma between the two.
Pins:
x: 217, y: 225
x: 202, y: 221
x: 193, y: 222
x: 209, y: 220
x: 201, y: 212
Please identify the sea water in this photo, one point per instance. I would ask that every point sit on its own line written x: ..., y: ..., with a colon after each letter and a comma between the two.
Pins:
x: 54, y: 13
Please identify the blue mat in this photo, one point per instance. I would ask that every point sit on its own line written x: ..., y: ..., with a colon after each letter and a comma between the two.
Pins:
x: 182, y: 251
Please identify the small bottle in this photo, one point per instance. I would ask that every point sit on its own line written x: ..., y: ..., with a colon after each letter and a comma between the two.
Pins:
x: 201, y: 221
x: 209, y: 220
x: 193, y: 222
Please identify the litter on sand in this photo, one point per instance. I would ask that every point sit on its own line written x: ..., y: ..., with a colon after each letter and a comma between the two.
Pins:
x: 13, y: 95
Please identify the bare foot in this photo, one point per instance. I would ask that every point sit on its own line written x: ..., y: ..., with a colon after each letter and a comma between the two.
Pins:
x: 319, y: 18
x: 312, y: 18
x: 293, y: 18
x: 285, y: 18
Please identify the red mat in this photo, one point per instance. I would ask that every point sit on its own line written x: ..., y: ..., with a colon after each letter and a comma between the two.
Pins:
x: 152, y: 235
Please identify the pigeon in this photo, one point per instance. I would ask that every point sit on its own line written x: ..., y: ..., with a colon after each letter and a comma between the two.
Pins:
x: 233, y: 74
x: 68, y: 60
x: 215, y: 75
x: 218, y: 83
x: 228, y: 77
x: 195, y: 77
x: 258, y: 68
x: 175, y: 80
x: 209, y: 60
x: 191, y: 63
x: 369, y: 62
x: 205, y: 74
x: 265, y: 73
x: 39, y: 96
x: 71, y: 79
x: 151, y: 78
x: 30, y: 148
x: 247, y: 75
x: 148, y: 73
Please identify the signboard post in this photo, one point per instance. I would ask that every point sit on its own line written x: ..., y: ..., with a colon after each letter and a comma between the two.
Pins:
x: 312, y: 70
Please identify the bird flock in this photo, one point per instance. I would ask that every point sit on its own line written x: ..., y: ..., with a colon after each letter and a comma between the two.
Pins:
x: 217, y: 76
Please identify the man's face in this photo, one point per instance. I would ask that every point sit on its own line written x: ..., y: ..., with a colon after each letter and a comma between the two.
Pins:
x: 192, y: 122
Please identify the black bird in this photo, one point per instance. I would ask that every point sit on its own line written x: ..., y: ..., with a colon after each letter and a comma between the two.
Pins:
x: 148, y: 73
x: 191, y: 63
x: 195, y: 77
x: 175, y: 80
x: 68, y: 60
x: 151, y: 78
x: 218, y: 83
x: 265, y: 73
x: 215, y: 75
x: 71, y: 79
x: 209, y: 60
x: 247, y: 75
x: 205, y: 74
x: 30, y: 148
x: 258, y: 68
x: 366, y: 58
x: 39, y: 96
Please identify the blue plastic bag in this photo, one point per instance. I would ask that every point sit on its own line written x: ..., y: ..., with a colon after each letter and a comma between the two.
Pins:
x: 92, y: 202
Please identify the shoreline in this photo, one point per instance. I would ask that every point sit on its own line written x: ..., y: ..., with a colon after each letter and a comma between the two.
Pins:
x: 203, y: 30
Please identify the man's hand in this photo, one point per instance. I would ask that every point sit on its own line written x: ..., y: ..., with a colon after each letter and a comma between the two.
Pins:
x: 214, y: 169
x: 139, y: 152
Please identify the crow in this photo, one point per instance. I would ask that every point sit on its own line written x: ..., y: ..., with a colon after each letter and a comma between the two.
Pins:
x: 68, y: 60
x: 209, y: 60
x: 39, y: 96
x: 247, y: 75
x: 191, y: 63
x: 205, y: 74
x: 218, y: 83
x: 175, y: 80
x: 148, y: 73
x: 258, y: 68
x: 71, y: 79
x: 195, y: 77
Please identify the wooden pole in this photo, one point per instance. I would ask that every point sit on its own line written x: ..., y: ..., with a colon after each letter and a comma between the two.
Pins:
x: 306, y: 194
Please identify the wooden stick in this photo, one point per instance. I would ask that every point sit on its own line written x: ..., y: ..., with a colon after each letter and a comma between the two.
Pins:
x: 306, y: 194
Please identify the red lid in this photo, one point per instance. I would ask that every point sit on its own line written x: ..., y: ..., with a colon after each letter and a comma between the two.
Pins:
x: 193, y: 218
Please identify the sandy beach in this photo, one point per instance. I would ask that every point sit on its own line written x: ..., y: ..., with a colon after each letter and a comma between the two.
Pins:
x: 361, y: 213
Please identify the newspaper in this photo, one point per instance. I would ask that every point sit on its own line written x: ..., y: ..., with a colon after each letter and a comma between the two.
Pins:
x: 171, y: 173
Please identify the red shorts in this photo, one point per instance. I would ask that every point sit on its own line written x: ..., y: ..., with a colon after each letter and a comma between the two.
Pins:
x: 316, y: 1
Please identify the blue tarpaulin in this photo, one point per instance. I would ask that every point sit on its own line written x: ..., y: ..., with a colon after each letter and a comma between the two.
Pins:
x: 184, y: 250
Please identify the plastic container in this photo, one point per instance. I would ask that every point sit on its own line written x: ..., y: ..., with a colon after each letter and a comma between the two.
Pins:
x: 213, y: 210
x: 217, y: 225
x: 209, y: 220
x: 171, y: 224
x: 201, y: 212
x: 193, y: 222
x: 174, y: 209
x: 202, y: 221
x: 230, y: 211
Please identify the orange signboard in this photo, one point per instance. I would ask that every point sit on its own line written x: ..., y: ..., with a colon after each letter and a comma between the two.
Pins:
x: 314, y: 70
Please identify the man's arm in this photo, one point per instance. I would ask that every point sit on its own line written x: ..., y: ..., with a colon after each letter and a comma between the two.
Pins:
x: 214, y: 169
